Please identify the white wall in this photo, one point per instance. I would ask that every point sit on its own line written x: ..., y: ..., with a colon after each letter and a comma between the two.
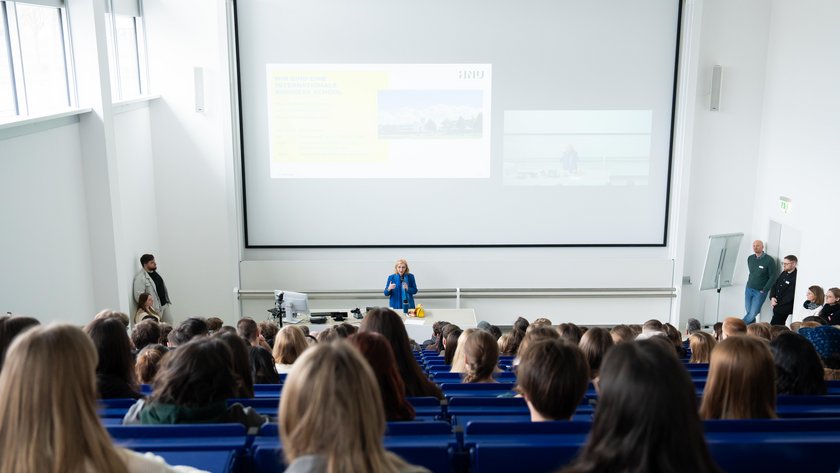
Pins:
x: 725, y: 158
x: 47, y: 255
x: 799, y: 136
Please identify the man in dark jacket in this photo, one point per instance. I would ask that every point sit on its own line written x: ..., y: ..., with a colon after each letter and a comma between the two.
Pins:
x: 783, y: 291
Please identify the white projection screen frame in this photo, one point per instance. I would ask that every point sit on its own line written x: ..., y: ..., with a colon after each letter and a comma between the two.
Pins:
x: 454, y: 124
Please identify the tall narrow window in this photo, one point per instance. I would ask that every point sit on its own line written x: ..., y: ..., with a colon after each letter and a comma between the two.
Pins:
x: 126, y: 49
x: 8, y: 104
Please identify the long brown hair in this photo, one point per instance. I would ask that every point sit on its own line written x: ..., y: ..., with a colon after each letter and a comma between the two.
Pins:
x: 741, y: 382
x: 701, y: 344
x: 332, y: 389
x: 386, y: 322
x: 48, y: 420
x: 481, y: 352
x: 594, y: 344
x: 196, y: 374
x: 380, y: 356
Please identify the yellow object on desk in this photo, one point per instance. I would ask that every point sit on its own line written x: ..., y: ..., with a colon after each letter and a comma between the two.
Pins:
x: 418, y: 312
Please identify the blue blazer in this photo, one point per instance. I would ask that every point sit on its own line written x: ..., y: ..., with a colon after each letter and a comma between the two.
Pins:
x: 397, y: 294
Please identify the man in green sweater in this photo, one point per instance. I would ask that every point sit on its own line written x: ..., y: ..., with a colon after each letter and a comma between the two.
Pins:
x: 762, y: 273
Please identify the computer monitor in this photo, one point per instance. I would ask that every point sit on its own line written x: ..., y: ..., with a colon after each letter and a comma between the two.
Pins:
x: 296, y: 304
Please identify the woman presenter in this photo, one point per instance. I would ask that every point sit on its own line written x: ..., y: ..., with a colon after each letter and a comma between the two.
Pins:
x: 401, y: 287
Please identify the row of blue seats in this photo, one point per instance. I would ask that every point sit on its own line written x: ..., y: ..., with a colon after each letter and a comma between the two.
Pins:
x: 780, y: 445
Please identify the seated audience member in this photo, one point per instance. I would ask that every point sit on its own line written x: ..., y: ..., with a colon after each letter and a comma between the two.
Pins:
x: 248, y: 329
x: 815, y: 321
x: 10, y: 328
x: 594, y: 344
x: 542, y: 321
x: 241, y: 363
x: 344, y: 330
x: 332, y: 388
x: 552, y: 376
x: 495, y: 331
x: 633, y: 430
x: 831, y: 308
x: 262, y: 366
x: 145, y: 309
x: 148, y: 362
x: 435, y: 343
x: 268, y: 330
x: 814, y: 300
x: 673, y: 334
x: 826, y: 340
x: 732, y: 326
x: 444, y: 334
x: 288, y: 347
x: 539, y: 333
x: 481, y: 357
x: 147, y: 332
x: 188, y: 330
x: 622, y: 333
x: 214, y: 324
x: 691, y: 326
x: 776, y: 330
x: 115, y: 371
x: 741, y: 382
x: 165, y: 330
x: 509, y: 342
x: 718, y: 329
x: 701, y: 344
x: 521, y: 324
x: 568, y: 331
x: 799, y: 370
x: 48, y: 411
x: 456, y: 359
x: 192, y: 387
x: 636, y: 328
x: 386, y: 322
x: 651, y: 327
x: 112, y: 314
x: 760, y: 330
x: 380, y: 357
x: 326, y: 335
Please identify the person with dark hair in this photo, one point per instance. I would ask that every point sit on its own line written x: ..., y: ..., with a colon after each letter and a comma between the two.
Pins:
x: 148, y: 362
x: 11, y: 327
x: 113, y: 314
x: 148, y: 280
x: 249, y: 330
x: 388, y: 323
x: 145, y: 308
x: 481, y: 357
x: 538, y: 333
x: 831, y: 308
x: 451, y: 345
x: 701, y: 344
x: 776, y: 330
x: 444, y: 334
x: 268, y: 330
x: 192, y: 387
x: 380, y: 356
x: 782, y: 294
x: 814, y: 300
x: 510, y: 341
x: 741, y: 382
x: 541, y: 321
x: 115, y: 370
x: 622, y: 333
x: 262, y: 366
x: 435, y: 342
x: 632, y: 430
x: 521, y: 324
x: 718, y: 329
x: 214, y: 324
x: 673, y: 335
x: 165, y: 330
x: 799, y: 370
x: 188, y: 330
x: 326, y: 335
x: 241, y: 363
x: 568, y: 331
x: 552, y: 376
x: 145, y: 333
x: 595, y: 344
x: 495, y: 331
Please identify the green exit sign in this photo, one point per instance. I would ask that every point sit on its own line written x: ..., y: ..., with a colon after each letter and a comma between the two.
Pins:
x: 784, y: 204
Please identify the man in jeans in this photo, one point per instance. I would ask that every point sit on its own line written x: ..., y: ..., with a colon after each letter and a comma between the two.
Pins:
x: 762, y: 271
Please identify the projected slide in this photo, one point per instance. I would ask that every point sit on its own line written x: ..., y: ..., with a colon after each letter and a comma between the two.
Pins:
x: 577, y: 147
x: 352, y: 121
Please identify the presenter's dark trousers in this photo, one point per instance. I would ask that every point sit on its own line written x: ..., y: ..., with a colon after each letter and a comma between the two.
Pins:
x: 780, y: 314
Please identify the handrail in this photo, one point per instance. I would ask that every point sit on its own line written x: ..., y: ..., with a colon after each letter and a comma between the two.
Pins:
x: 486, y: 293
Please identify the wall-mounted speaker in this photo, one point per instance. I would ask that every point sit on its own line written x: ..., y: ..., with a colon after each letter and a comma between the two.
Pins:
x: 199, y: 88
x: 714, y: 105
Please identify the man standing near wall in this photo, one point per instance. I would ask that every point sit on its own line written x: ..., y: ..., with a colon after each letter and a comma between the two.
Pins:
x: 148, y: 280
x: 762, y: 269
x: 782, y: 292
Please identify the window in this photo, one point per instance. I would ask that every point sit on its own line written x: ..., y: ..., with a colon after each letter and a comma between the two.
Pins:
x: 126, y: 49
x: 35, y: 77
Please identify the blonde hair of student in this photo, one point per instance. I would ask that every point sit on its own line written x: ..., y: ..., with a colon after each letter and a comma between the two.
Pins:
x: 289, y: 344
x: 332, y: 389
x: 459, y: 365
x: 48, y: 419
x: 741, y: 382
x: 481, y: 356
x: 702, y: 344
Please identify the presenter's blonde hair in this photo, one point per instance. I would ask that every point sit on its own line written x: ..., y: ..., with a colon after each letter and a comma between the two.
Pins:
x: 332, y: 389
x: 48, y: 420
x: 407, y: 270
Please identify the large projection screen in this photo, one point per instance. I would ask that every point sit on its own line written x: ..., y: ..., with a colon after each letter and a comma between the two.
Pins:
x: 456, y: 123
